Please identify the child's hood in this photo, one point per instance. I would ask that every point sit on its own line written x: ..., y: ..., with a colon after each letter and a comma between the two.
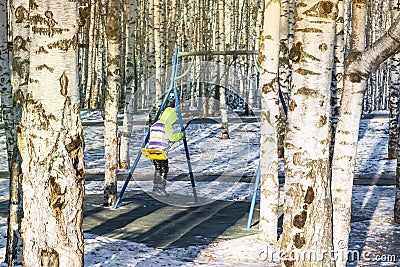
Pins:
x: 169, y: 116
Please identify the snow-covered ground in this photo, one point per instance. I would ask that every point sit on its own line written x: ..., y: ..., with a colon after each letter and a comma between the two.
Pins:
x: 373, y: 237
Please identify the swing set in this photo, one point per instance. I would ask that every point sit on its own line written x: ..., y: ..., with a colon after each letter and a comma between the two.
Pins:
x: 160, y: 154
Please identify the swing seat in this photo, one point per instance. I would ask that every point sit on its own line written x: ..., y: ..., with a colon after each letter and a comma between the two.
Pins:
x: 154, y: 154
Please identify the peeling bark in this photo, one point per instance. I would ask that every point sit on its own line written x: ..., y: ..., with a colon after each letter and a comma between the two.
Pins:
x: 113, y: 36
x: 307, y: 221
x: 360, y: 64
x: 394, y: 98
x: 269, y: 64
x: 50, y: 139
x: 131, y: 88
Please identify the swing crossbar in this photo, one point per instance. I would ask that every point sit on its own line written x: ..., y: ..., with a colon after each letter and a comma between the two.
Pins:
x: 218, y: 53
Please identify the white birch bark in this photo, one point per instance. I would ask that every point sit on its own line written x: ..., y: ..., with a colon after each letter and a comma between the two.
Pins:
x: 50, y: 138
x: 222, y: 70
x: 5, y: 86
x: 397, y: 194
x: 171, y: 33
x: 123, y: 21
x: 203, y: 105
x: 151, y: 61
x: 360, y: 65
x: 307, y: 213
x: 341, y: 188
x: 163, y: 38
x: 284, y: 62
x: 284, y: 72
x: 99, y: 47
x: 83, y: 52
x: 269, y: 62
x: 129, y: 82
x: 19, y: 75
x: 91, y: 53
x: 157, y: 48
x: 396, y: 216
x: 337, y: 80
x: 113, y: 79
x: 254, y: 95
x: 394, y: 98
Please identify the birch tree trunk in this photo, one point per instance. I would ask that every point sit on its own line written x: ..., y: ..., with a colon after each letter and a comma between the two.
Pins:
x: 171, y: 34
x: 359, y: 66
x: 307, y: 221
x: 91, y: 53
x: 129, y: 82
x: 341, y: 188
x: 123, y: 43
x: 338, y: 69
x: 394, y: 99
x: 50, y: 138
x: 113, y: 79
x: 158, y: 48
x: 284, y: 71
x: 83, y: 51
x: 222, y: 70
x: 97, y: 63
x: 269, y: 63
x: 284, y: 62
x: 397, y: 194
x: 5, y: 87
x: 11, y: 114
x: 396, y: 62
x: 151, y: 58
x: 20, y: 74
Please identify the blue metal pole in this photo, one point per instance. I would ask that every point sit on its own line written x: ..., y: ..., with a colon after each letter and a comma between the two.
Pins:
x: 253, y: 200
x: 285, y: 108
x: 131, y: 170
x: 163, y: 103
x: 178, y: 109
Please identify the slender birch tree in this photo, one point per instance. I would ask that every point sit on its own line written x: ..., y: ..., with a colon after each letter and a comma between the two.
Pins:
x: 50, y: 138
x: 158, y: 48
x: 307, y: 221
x: 83, y: 49
x: 284, y: 62
x: 269, y: 62
x: 284, y: 71
x: 341, y: 194
x: 359, y: 66
x: 20, y: 74
x: 394, y: 98
x: 397, y: 194
x: 5, y: 87
x: 91, y: 52
x: 171, y: 40
x: 221, y: 72
x: 7, y: 109
x: 130, y: 81
x: 396, y: 62
x: 338, y: 70
x: 113, y: 79
x: 150, y: 52
x: 100, y: 58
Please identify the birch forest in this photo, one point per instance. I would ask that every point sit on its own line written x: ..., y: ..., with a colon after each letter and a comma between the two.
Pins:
x: 302, y: 75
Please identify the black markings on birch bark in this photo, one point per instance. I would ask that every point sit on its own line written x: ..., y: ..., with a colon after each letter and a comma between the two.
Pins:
x: 64, y: 84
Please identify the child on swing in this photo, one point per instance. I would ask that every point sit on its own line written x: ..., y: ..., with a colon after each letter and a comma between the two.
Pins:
x: 161, y: 133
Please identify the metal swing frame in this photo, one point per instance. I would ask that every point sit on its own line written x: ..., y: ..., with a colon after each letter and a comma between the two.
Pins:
x: 172, y: 89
